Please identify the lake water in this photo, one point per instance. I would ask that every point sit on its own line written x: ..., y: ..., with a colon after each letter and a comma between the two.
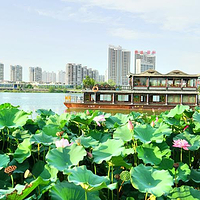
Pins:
x: 33, y: 101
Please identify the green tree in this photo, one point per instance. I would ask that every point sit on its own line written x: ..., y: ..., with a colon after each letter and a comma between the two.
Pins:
x: 111, y: 82
x: 88, y: 82
x: 51, y: 89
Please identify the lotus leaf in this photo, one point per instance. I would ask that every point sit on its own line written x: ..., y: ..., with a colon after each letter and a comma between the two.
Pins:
x: 23, y: 151
x: 51, y: 129
x: 195, y: 175
x: 166, y: 164
x: 20, y: 192
x: 119, y: 161
x: 45, y: 113
x: 87, y: 141
x: 59, y: 120
x: 69, y: 191
x: 182, y: 173
x: 86, y: 179
x: 149, y: 154
x: 184, y: 193
x: 7, y: 105
x: 99, y: 136
x: 163, y: 129
x: 62, y: 158
x: 196, y: 116
x: 12, y: 118
x: 112, y: 122
x: 178, y: 110
x: 123, y: 133
x: 4, y: 160
x: 145, y: 133
x: 49, y: 173
x: 164, y: 148
x: 105, y: 151
x: 21, y: 167
x: 122, y: 117
x: 193, y: 140
x: 42, y: 138
x: 146, y: 179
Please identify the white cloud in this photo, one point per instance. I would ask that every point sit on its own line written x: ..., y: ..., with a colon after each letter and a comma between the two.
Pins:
x: 131, y: 34
x: 177, y: 15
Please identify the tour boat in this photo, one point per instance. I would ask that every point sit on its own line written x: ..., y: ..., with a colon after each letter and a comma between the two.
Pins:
x: 147, y: 90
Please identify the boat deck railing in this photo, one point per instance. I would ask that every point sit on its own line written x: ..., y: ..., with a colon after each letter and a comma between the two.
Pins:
x: 73, y: 99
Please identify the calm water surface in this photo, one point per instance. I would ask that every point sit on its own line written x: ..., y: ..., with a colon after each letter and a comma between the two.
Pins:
x: 33, y: 101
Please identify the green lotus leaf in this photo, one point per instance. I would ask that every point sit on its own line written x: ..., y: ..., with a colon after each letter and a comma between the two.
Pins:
x: 178, y: 110
x: 166, y: 164
x: 148, y: 179
x: 164, y: 148
x: 87, y: 141
x: 122, y: 117
x: 193, y: 140
x: 23, y: 151
x: 21, y: 167
x: 105, y: 151
x: 86, y: 179
x: 12, y: 118
x: 184, y: 193
x: 119, y: 161
x: 182, y: 173
x: 69, y: 191
x: 127, y: 152
x: 62, y: 158
x: 99, y: 136
x: 196, y: 116
x: 195, y: 175
x: 59, y: 120
x: 7, y: 105
x: 45, y: 113
x: 51, y: 129
x: 163, y: 129
x: 146, y: 133
x: 49, y: 173
x: 42, y: 138
x: 123, y: 133
x: 149, y: 154
x: 5, y: 159
x: 21, y: 192
x: 112, y: 122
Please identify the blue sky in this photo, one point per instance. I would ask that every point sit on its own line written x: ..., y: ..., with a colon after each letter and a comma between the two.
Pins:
x: 51, y: 33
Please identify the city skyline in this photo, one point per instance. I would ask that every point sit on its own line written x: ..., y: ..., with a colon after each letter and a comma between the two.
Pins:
x: 51, y: 33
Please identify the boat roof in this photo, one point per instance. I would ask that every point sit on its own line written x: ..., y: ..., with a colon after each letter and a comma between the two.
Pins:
x: 154, y: 73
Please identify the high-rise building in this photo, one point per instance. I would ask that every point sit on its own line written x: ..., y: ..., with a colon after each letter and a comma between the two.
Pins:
x: 75, y: 74
x: 35, y: 74
x: 118, y: 65
x: 61, y: 77
x: 1, y: 72
x: 48, y: 77
x: 144, y: 60
x: 16, y: 73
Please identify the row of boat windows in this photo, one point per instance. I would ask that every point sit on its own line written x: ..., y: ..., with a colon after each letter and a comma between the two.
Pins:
x: 143, y: 98
x: 161, y: 82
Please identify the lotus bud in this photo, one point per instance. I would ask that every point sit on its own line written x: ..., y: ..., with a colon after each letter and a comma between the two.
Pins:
x: 87, y: 112
x: 185, y: 127
x: 176, y: 165
x: 130, y: 125
x: 89, y: 155
x: 152, y: 123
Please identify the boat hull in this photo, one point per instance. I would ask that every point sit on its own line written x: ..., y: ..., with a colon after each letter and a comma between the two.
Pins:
x: 117, y: 106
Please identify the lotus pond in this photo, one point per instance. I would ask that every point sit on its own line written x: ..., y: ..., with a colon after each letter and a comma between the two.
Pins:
x: 94, y: 155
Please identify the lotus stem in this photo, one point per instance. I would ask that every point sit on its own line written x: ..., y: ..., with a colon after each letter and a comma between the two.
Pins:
x: 3, y: 140
x: 146, y: 195
x: 109, y: 178
x: 12, y: 180
x: 85, y: 195
x: 189, y: 159
x: 95, y: 169
x: 38, y: 151
x: 112, y: 181
x: 181, y: 155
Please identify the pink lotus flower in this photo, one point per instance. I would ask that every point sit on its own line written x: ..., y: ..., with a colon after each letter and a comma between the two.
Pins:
x: 181, y: 144
x: 63, y: 143
x: 99, y: 118
x: 185, y: 127
x: 89, y: 155
x: 87, y: 112
x: 152, y: 123
x: 130, y: 125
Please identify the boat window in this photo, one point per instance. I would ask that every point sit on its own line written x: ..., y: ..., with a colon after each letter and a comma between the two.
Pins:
x: 140, y: 81
x: 122, y: 97
x: 105, y: 97
x: 156, y: 98
x: 174, y: 98
x: 189, y: 99
x: 161, y: 82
